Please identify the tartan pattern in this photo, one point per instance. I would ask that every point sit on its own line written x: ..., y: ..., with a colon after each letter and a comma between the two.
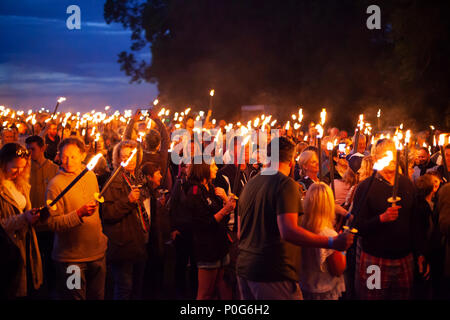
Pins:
x: 396, y: 281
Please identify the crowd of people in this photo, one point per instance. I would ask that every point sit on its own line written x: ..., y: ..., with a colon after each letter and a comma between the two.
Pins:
x: 312, y: 223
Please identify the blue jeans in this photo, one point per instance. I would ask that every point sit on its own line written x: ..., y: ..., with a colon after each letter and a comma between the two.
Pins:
x: 128, y: 278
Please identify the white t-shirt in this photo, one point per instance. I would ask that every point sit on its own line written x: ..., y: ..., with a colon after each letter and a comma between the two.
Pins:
x: 314, y: 276
x: 15, y: 194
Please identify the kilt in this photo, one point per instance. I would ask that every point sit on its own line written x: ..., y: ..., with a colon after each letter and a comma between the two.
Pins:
x: 396, y: 277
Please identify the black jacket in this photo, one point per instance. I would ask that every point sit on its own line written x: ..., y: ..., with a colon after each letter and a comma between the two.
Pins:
x: 126, y: 237
x: 390, y: 240
x: 210, y: 237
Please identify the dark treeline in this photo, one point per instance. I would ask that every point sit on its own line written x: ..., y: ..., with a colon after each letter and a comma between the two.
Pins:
x: 294, y: 52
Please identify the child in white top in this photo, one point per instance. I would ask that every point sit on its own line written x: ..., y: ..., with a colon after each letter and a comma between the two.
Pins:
x: 321, y: 275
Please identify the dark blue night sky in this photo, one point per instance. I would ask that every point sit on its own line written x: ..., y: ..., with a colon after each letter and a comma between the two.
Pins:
x: 41, y: 59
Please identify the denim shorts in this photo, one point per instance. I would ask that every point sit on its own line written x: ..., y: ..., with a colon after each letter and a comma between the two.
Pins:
x: 215, y: 264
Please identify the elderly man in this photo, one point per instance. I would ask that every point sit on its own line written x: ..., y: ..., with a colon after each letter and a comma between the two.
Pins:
x: 423, y: 163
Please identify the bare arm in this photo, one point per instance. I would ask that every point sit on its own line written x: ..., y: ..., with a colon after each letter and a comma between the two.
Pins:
x: 291, y: 232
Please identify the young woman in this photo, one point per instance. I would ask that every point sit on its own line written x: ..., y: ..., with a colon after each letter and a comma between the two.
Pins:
x: 209, y: 206
x: 16, y: 217
x: 321, y: 276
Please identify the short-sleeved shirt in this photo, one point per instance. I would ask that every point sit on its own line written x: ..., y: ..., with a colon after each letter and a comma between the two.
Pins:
x: 263, y: 255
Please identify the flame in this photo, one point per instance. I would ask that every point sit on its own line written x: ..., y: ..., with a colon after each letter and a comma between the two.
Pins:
x: 397, y: 140
x: 297, y: 126
x: 306, y: 138
x: 97, y: 137
x: 91, y: 165
x: 330, y: 146
x: 124, y: 164
x: 61, y: 99
x: 107, y: 108
x: 256, y: 122
x: 246, y: 140
x: 383, y: 162
x: 155, y: 102
x: 211, y: 93
x: 379, y: 113
x: 287, y: 126
x: 441, y: 139
x: 323, y: 116
x: 294, y: 117
x: 361, y: 122
x: 300, y: 115
x: 407, y: 136
x: 319, y: 131
x: 273, y: 123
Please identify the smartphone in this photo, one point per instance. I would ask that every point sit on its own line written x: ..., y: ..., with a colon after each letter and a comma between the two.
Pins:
x: 341, y: 150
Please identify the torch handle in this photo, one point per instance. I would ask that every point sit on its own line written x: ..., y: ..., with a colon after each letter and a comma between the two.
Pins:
x: 114, y: 175
x: 319, y: 145
x: 444, y: 162
x: 74, y: 181
x: 397, y: 166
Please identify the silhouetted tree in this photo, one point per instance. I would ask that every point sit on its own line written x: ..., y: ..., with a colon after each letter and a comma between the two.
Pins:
x: 292, y: 52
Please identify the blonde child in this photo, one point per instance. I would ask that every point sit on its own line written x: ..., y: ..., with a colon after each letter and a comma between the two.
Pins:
x: 321, y: 275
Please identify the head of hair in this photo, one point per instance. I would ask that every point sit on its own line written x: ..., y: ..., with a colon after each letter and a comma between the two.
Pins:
x: 305, y: 157
x: 118, y: 147
x: 350, y: 177
x: 425, y: 185
x: 152, y: 140
x: 381, y: 146
x: 149, y: 168
x: 8, y: 153
x: 311, y: 148
x: 73, y: 141
x: 318, y: 208
x: 198, y: 172
x: 286, y: 148
x: 366, y: 168
x: 37, y: 139
x: 424, y: 149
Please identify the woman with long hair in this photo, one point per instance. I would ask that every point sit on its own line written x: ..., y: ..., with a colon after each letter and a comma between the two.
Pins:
x: 321, y: 276
x: 17, y: 217
x: 210, y: 208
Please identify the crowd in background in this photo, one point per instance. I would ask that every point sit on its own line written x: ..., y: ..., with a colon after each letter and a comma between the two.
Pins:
x: 219, y: 231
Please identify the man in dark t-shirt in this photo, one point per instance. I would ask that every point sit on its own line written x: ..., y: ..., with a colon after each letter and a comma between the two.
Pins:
x: 269, y: 234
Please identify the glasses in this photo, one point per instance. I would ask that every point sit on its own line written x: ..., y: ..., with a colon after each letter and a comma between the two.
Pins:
x: 24, y: 153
